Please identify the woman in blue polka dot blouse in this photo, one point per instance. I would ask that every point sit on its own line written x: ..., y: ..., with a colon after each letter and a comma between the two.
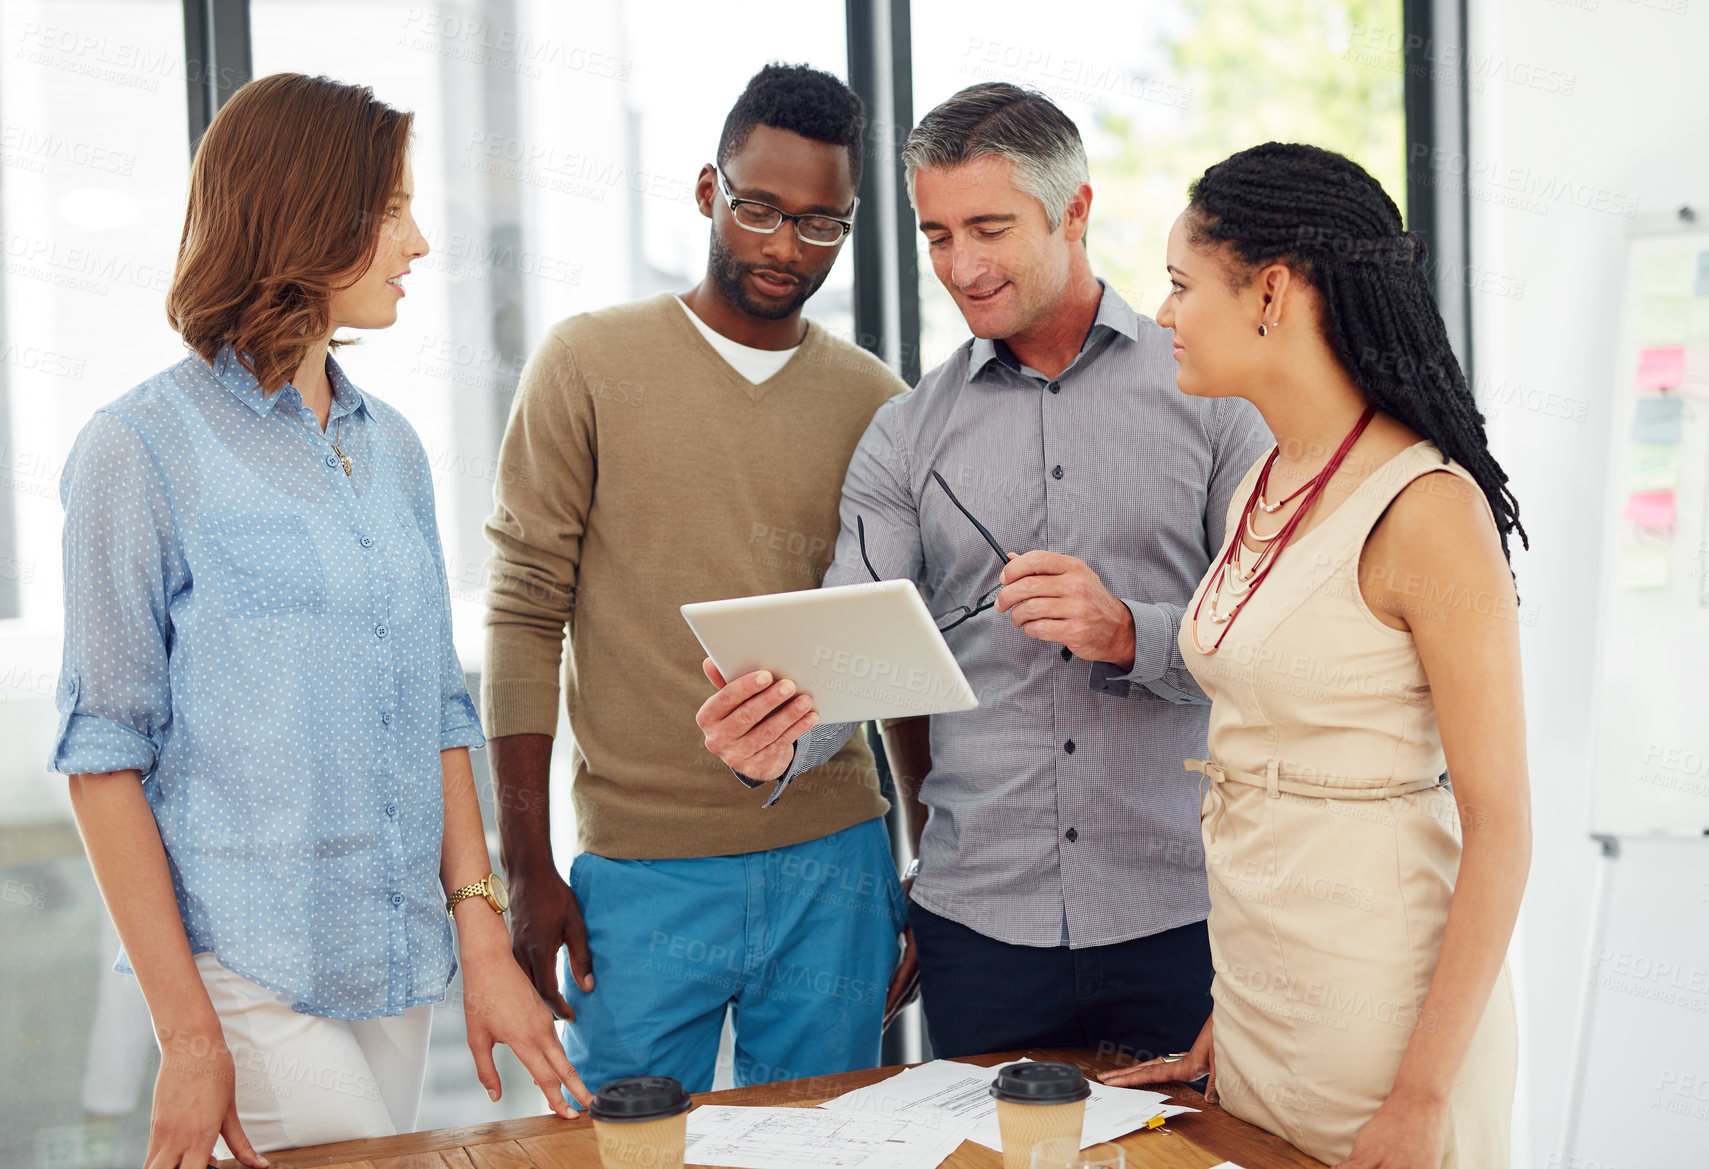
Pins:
x: 261, y: 710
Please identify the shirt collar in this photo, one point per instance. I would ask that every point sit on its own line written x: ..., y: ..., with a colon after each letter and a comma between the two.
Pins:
x: 1113, y: 315
x: 346, y: 398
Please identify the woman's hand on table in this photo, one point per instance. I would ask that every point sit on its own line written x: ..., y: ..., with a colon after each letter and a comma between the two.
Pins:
x: 500, y: 1005
x: 1405, y: 1133
x: 194, y: 1102
x: 1198, y: 1062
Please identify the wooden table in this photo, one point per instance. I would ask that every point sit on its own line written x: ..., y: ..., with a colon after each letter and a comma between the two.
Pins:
x: 1190, y: 1141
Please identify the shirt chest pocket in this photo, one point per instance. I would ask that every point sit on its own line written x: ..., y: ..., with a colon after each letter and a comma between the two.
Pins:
x: 264, y: 565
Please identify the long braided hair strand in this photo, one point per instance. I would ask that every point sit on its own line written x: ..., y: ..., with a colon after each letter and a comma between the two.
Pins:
x: 1331, y: 222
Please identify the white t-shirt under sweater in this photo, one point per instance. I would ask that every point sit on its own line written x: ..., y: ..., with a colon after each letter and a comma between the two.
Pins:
x: 754, y: 364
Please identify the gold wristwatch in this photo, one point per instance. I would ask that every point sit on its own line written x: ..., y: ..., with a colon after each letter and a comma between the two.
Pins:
x: 490, y: 886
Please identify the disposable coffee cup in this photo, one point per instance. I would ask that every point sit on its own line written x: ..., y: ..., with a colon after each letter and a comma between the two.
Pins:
x: 641, y: 1123
x: 1037, y: 1102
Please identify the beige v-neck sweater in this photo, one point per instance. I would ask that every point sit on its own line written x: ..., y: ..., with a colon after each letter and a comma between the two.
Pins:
x: 640, y: 472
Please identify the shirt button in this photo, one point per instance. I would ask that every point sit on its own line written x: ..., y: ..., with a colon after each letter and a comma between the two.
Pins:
x: 1066, y: 654
x: 380, y: 631
x: 386, y: 717
x: 1057, y: 473
x: 391, y: 809
x: 1054, y: 388
x: 398, y: 898
x: 1072, y: 835
x: 332, y: 460
x: 1069, y: 746
x: 367, y: 541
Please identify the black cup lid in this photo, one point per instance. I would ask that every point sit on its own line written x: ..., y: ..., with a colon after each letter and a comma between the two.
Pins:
x: 1041, y: 1083
x: 639, y: 1098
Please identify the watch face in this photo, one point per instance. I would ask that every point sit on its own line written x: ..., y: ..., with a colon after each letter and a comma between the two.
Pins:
x: 497, y: 893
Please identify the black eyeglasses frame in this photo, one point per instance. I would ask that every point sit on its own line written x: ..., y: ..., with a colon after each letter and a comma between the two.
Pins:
x: 967, y: 612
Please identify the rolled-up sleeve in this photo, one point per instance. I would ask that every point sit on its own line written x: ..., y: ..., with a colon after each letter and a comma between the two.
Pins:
x: 122, y: 566
x: 459, y: 725
x: 1158, y: 671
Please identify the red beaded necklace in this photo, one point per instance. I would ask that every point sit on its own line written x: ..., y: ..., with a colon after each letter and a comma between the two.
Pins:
x: 1273, y: 545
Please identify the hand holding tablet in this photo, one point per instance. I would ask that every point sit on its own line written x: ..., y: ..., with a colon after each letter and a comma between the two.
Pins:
x: 752, y: 724
x: 842, y: 654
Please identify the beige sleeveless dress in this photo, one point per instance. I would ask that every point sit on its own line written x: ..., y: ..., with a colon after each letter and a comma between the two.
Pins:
x: 1331, y: 849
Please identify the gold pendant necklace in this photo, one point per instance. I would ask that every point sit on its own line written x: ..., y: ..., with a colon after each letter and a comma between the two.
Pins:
x: 338, y: 433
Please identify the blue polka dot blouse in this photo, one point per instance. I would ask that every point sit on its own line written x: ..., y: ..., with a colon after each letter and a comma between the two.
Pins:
x: 267, y: 639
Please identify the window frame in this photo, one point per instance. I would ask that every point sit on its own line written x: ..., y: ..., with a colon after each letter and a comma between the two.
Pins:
x: 880, y: 53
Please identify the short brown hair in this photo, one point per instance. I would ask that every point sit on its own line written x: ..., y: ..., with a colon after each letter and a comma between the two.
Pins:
x: 1021, y: 125
x: 287, y: 194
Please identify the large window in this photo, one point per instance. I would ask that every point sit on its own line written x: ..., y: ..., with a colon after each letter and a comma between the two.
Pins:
x: 556, y: 150
x: 1160, y: 91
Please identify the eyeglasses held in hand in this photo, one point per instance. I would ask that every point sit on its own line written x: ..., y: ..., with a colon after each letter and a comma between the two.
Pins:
x: 824, y: 230
x: 965, y: 611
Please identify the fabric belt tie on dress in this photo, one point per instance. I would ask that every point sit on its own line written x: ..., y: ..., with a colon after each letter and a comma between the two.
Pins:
x: 1274, y: 785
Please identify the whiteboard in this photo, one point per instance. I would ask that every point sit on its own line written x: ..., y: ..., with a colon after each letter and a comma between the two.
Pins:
x: 1650, y: 733
x: 1644, y: 1099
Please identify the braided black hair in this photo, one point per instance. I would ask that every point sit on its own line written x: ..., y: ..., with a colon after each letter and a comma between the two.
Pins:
x: 1321, y: 214
x: 802, y: 100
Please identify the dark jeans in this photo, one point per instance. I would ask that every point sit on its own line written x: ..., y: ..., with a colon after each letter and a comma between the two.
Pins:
x: 1143, y: 998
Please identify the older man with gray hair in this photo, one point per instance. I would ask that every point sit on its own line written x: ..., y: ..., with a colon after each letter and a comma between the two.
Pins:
x: 1059, y: 896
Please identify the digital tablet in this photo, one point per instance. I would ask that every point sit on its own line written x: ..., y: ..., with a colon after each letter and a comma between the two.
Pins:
x: 862, y: 651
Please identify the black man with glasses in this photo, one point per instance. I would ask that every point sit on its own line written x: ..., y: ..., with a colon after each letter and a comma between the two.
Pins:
x: 1057, y: 500
x: 672, y: 450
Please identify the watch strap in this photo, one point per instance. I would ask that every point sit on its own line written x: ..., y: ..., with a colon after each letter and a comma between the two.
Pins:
x: 478, y: 889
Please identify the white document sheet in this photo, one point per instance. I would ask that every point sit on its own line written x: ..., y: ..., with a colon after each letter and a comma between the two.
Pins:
x: 956, y: 1097
x: 789, y: 1138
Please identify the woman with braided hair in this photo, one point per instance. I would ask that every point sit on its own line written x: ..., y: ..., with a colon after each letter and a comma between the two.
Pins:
x: 1357, y: 637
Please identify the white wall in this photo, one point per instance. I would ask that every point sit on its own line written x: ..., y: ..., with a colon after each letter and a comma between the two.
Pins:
x: 1575, y: 106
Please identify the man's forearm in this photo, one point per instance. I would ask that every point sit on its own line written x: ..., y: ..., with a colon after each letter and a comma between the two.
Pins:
x: 522, y: 767
x: 908, y: 749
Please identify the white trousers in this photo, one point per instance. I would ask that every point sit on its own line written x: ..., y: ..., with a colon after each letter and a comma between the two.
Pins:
x: 308, y: 1080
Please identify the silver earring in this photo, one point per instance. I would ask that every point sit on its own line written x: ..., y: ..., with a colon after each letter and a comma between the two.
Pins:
x: 1263, y: 331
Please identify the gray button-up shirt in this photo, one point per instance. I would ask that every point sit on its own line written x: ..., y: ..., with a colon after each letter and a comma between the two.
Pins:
x: 1060, y: 812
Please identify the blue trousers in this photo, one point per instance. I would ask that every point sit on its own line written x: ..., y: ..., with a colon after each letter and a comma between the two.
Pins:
x: 798, y: 942
x: 1141, y: 998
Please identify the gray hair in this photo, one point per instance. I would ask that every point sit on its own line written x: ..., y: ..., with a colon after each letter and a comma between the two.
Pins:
x: 997, y: 119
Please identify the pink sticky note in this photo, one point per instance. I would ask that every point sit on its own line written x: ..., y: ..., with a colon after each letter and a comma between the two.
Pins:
x: 1660, y: 368
x: 1650, y: 509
